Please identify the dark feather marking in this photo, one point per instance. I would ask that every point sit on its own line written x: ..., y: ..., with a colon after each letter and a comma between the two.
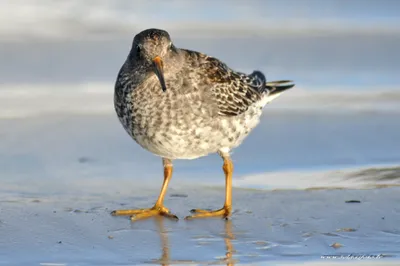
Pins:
x: 234, y: 92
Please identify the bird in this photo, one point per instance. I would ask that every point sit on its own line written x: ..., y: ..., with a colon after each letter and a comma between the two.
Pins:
x: 180, y: 104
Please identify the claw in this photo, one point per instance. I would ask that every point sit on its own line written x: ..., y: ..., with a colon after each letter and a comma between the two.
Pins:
x: 200, y: 210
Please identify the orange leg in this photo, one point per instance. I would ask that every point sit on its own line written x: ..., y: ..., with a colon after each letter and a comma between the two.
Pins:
x: 158, y: 208
x: 226, y: 210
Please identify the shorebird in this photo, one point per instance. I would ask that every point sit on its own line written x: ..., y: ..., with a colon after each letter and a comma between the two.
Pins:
x: 181, y: 104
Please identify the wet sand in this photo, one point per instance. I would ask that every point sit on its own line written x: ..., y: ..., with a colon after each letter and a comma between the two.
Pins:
x: 266, y: 226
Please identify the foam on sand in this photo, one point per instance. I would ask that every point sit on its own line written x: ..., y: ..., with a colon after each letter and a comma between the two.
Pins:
x: 356, y: 178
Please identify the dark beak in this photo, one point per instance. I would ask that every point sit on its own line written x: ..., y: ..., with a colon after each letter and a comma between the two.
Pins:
x: 158, y: 69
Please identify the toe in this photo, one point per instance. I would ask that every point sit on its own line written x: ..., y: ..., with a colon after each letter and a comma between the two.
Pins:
x: 224, y: 213
x: 171, y: 216
x: 165, y: 212
x: 144, y: 215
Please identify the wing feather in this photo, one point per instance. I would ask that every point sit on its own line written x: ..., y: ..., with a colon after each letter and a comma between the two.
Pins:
x: 233, y: 91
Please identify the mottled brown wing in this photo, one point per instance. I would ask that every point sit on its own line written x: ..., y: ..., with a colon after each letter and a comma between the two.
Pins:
x: 234, y: 92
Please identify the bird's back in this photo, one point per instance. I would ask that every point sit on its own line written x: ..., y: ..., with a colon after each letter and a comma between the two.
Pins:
x: 234, y: 92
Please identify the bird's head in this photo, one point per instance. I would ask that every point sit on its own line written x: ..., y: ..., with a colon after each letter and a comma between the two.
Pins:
x: 151, y: 48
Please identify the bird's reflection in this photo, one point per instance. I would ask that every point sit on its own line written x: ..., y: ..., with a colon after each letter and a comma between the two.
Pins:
x: 165, y: 259
x: 165, y: 245
x: 228, y: 243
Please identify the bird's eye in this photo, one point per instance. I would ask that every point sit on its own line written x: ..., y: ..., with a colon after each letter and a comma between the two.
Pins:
x: 170, y: 45
x: 138, y: 49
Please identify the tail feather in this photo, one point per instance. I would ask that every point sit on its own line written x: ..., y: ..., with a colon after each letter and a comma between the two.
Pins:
x: 278, y: 86
x: 274, y: 89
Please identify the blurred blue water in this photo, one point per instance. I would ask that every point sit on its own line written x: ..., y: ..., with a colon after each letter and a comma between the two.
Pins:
x: 331, y: 45
x: 314, y: 62
x: 52, y: 148
x: 319, y: 44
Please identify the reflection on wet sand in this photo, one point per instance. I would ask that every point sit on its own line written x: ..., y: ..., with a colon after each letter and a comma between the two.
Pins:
x: 165, y: 258
x: 228, y: 243
x: 165, y: 245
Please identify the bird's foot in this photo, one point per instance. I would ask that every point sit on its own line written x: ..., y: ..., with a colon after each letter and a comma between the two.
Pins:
x: 138, y: 214
x: 224, y: 212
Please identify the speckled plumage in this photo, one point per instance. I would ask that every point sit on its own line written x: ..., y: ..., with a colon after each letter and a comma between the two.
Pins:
x: 206, y: 108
